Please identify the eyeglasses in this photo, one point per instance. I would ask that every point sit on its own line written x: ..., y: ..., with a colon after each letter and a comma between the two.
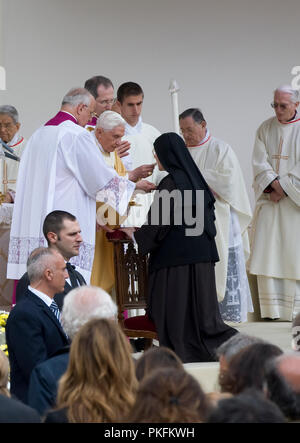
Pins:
x: 280, y: 105
x: 7, y: 125
x: 107, y: 102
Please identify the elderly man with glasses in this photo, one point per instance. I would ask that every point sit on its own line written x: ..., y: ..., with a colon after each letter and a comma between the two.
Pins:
x: 275, y: 254
x: 10, y: 134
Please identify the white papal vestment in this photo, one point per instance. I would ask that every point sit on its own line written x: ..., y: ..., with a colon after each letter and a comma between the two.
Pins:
x: 8, y: 167
x: 275, y: 236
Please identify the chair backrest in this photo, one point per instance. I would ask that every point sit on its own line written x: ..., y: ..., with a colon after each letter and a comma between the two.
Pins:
x: 131, y: 284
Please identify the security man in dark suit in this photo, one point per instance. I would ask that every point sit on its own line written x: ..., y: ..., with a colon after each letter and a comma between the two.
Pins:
x: 63, y: 233
x: 33, y: 329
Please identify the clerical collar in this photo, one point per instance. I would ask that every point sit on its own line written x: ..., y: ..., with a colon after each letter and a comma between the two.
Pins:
x: 296, y: 118
x: 204, y: 140
x: 133, y: 130
x: 17, y: 139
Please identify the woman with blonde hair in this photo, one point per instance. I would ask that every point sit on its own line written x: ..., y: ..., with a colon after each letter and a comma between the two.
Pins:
x: 100, y: 383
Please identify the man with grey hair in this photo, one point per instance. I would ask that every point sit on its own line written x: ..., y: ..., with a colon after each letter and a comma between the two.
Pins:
x: 80, y: 305
x: 231, y: 347
x: 62, y: 169
x: 275, y: 252
x: 33, y: 329
x: 108, y: 133
x: 9, y: 134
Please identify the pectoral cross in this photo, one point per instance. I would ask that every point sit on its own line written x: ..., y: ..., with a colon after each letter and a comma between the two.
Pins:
x: 279, y: 157
x: 5, y: 180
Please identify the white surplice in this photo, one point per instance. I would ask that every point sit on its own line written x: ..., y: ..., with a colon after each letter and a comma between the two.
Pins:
x: 275, y: 235
x: 141, y: 137
x: 221, y: 170
x: 62, y: 169
x: 9, y: 168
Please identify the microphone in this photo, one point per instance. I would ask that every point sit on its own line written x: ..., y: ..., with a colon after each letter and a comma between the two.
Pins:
x: 10, y: 153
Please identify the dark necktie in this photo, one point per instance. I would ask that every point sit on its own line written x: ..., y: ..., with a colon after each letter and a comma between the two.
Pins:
x: 55, y: 310
x: 72, y: 275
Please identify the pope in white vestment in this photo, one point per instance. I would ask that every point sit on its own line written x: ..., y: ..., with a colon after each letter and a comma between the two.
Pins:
x: 62, y: 168
x: 275, y: 236
x: 222, y: 172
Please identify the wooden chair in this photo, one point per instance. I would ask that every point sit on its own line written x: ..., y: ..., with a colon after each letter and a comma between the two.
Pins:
x: 131, y: 274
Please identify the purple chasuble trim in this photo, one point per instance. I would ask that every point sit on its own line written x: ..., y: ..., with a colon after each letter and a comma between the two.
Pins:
x: 61, y: 117
x: 92, y: 122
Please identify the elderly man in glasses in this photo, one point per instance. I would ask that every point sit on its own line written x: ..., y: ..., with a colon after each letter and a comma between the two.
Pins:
x: 10, y: 134
x: 275, y: 236
x: 220, y: 167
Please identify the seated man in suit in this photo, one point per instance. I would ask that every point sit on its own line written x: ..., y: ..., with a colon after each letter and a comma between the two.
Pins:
x: 63, y: 233
x: 80, y: 305
x: 33, y: 329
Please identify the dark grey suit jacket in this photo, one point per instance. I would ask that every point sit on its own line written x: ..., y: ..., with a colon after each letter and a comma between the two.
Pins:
x: 33, y: 334
x: 59, y: 298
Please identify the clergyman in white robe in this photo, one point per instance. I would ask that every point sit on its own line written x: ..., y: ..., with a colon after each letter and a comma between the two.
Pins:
x: 62, y: 169
x: 275, y: 236
x: 141, y: 138
x: 221, y: 170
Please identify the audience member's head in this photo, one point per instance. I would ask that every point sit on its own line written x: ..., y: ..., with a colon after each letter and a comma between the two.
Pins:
x: 232, y: 346
x: 102, y: 89
x: 4, y: 374
x: 9, y: 123
x: 250, y: 406
x: 247, y: 368
x: 83, y: 304
x: 46, y: 270
x: 155, y: 358
x: 62, y: 232
x: 281, y: 384
x: 80, y: 103
x: 169, y: 395
x: 100, y: 383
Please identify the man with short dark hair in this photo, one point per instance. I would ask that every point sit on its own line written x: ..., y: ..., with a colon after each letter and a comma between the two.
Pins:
x: 9, y: 134
x: 221, y: 169
x: 33, y: 328
x: 63, y: 234
x: 102, y: 89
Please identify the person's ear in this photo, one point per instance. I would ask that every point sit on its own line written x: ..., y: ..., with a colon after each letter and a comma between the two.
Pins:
x: 52, y: 237
x: 48, y: 274
x: 18, y: 125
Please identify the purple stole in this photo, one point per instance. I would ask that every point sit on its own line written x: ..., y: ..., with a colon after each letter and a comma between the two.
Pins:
x: 61, y: 117
x: 92, y: 122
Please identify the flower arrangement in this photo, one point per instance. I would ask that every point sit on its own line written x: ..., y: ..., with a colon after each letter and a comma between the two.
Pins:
x: 3, y: 319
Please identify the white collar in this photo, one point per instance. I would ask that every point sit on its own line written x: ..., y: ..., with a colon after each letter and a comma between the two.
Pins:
x: 97, y: 143
x: 16, y: 138
x: 133, y: 130
x: 46, y: 299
